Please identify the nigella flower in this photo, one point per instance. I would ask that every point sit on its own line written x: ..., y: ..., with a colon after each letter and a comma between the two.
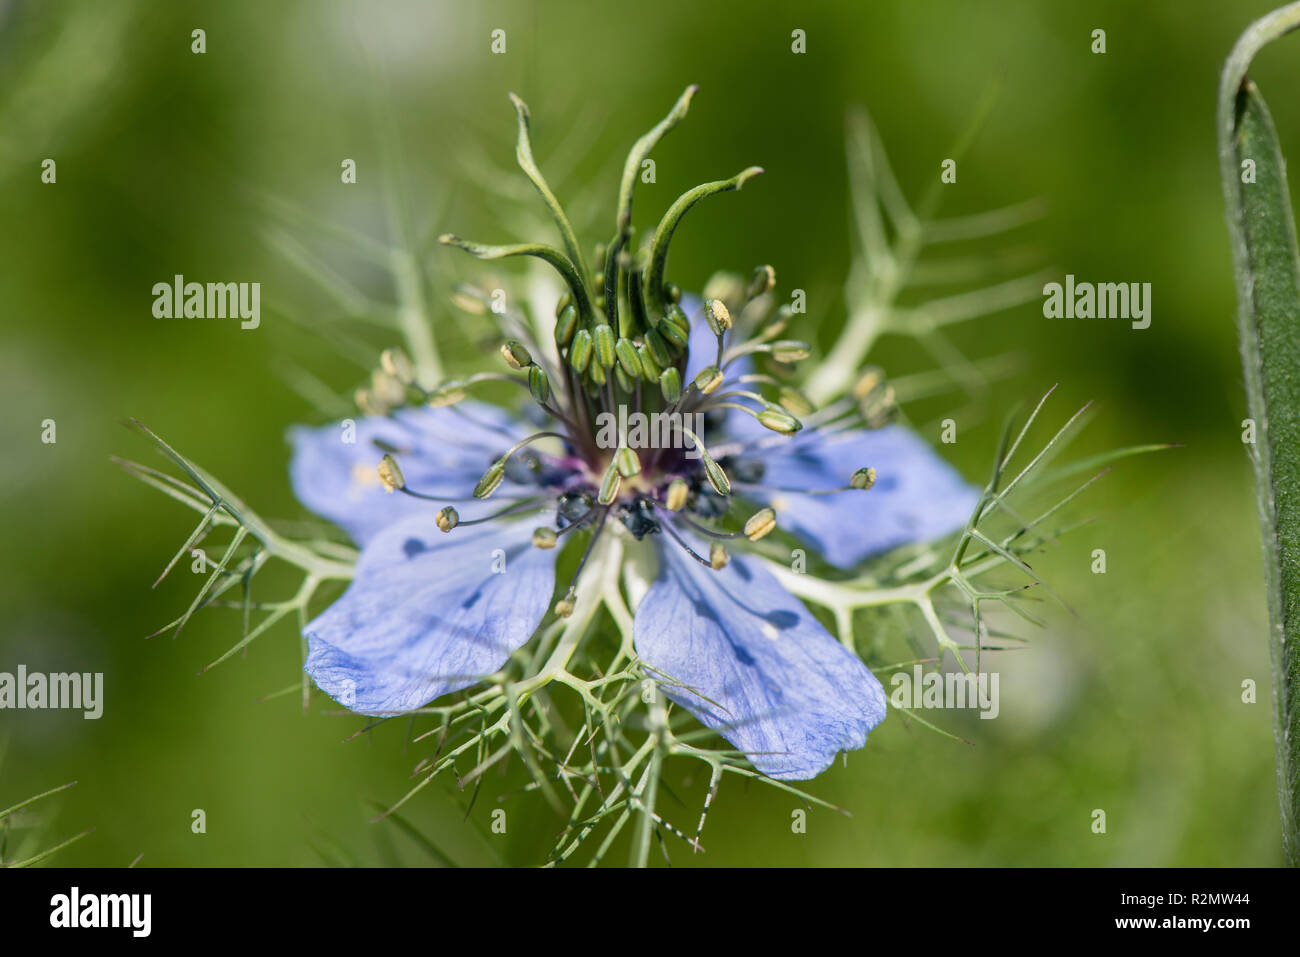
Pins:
x: 460, y: 522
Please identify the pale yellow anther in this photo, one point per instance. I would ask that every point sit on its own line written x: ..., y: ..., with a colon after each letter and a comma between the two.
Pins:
x: 718, y: 556
x: 390, y: 474
x: 678, y: 491
x: 760, y: 523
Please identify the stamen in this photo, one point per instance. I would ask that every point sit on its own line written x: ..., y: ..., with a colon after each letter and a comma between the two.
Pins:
x: 610, y: 484
x: 678, y: 491
x: 718, y: 557
x: 491, y: 479
x: 878, y: 407
x: 776, y: 419
x: 783, y: 350
x: 791, y: 399
x: 795, y: 402
x: 443, y: 498
x: 564, y: 607
x: 390, y: 474
x: 863, y: 478
x: 771, y: 417
x: 523, y: 506
x: 516, y: 355
x: 760, y: 524
x: 497, y: 470
x: 447, y: 395
x: 448, y: 518
x: 540, y: 386
x: 871, y: 378
x: 697, y: 527
x: 386, y: 390
x: 762, y: 282
x: 740, y: 394
x: 809, y: 491
x: 650, y: 370
x: 544, y: 537
x: 627, y: 461
x: 628, y: 360
x: 708, y: 379
x: 566, y: 324
x: 676, y: 537
x: 675, y: 327
x: 670, y: 384
x: 396, y: 365
x: 580, y: 351
x: 790, y: 350
x: 603, y: 343
x: 468, y: 299
x: 717, y: 316
x: 658, y: 348
x: 716, y: 476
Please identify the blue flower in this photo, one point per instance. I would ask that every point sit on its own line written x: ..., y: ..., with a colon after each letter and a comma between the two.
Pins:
x: 458, y: 526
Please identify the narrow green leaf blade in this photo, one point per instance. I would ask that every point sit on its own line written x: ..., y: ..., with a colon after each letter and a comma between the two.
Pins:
x: 1268, y: 319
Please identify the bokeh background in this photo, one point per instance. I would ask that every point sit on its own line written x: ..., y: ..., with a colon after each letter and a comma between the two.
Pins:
x: 171, y: 162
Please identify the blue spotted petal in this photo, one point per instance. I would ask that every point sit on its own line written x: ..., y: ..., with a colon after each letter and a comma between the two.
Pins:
x: 756, y: 665
x: 446, y: 452
x: 917, y: 497
x: 429, y: 613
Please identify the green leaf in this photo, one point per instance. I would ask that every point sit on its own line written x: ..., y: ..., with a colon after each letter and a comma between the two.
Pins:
x: 1268, y: 324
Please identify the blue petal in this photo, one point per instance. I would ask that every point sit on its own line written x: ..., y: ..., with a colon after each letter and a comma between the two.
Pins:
x: 917, y: 496
x: 449, y: 450
x: 427, y: 614
x: 757, y: 666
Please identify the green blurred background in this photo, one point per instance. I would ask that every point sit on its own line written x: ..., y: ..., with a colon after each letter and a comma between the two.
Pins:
x: 165, y: 162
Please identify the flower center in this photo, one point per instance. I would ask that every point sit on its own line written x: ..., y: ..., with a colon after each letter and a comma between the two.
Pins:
x: 612, y: 383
